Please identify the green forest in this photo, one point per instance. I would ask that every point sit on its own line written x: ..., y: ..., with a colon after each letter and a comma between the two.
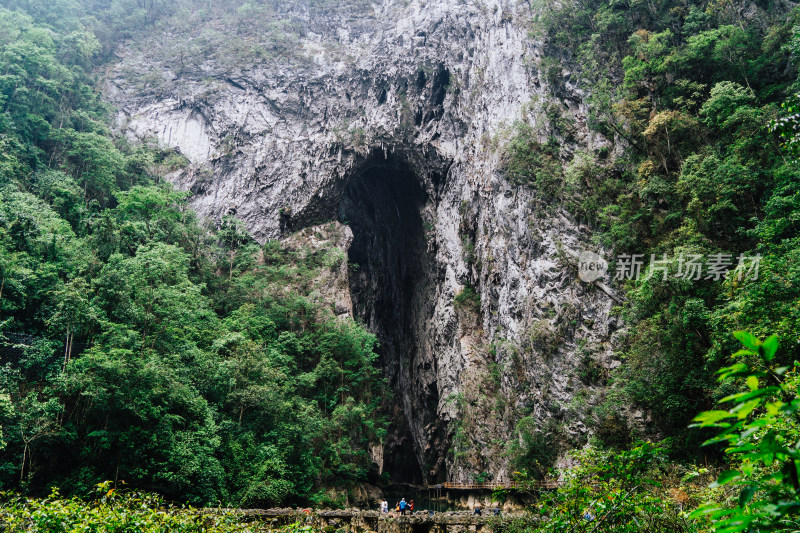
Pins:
x: 701, y: 98
x: 143, y: 344
x: 206, y: 372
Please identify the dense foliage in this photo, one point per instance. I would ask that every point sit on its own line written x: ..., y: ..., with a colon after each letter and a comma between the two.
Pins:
x: 642, y: 489
x: 694, y: 101
x: 111, y: 511
x: 616, y: 492
x: 138, y: 343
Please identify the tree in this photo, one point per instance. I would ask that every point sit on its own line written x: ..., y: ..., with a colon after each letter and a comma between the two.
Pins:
x: 6, y: 411
x: 232, y: 237
x: 36, y: 420
x: 73, y: 313
x: 787, y: 126
x: 94, y: 161
x: 149, y: 213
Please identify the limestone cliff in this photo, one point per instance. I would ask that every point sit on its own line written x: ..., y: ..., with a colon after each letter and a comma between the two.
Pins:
x: 391, y: 118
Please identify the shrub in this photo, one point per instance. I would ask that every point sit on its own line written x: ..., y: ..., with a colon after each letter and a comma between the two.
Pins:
x: 762, y: 437
x: 112, y: 511
x: 532, y: 163
x: 468, y: 300
x: 612, y: 492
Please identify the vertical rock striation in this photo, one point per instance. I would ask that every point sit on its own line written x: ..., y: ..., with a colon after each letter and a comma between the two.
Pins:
x: 392, y: 120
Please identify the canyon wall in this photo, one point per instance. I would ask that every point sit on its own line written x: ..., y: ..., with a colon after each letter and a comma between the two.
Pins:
x: 391, y: 118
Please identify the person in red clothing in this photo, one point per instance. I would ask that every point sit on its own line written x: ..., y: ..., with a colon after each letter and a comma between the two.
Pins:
x: 411, y: 506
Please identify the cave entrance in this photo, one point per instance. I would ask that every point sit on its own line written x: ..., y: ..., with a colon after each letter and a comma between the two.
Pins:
x: 390, y: 268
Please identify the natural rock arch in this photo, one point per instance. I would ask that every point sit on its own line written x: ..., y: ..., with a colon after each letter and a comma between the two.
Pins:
x: 394, y: 270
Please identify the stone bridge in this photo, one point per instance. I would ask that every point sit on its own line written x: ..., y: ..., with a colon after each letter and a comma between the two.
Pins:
x: 357, y: 521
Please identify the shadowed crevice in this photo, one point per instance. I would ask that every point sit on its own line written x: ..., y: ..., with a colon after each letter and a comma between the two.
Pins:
x: 390, y: 269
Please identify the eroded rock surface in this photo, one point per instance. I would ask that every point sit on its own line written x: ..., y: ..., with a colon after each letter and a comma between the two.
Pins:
x: 392, y: 120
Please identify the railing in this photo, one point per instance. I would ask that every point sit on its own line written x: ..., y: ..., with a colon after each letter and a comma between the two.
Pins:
x: 545, y: 484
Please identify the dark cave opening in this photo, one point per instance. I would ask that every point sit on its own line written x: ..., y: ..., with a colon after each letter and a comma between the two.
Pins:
x: 382, y: 204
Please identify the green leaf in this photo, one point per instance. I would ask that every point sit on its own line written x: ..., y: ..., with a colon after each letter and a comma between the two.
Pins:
x: 744, y: 396
x: 737, y: 371
x: 742, y: 449
x: 773, y: 408
x: 744, y: 409
x: 748, y: 340
x: 710, y: 417
x: 728, y: 435
x: 725, y: 478
x: 791, y: 407
x: 736, y: 367
x: 752, y: 382
x: 769, y: 347
x: 746, y: 495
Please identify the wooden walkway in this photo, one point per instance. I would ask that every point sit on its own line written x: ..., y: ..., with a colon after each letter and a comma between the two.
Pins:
x: 544, y: 484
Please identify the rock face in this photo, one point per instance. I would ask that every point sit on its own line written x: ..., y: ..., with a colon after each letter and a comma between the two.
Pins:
x: 392, y: 120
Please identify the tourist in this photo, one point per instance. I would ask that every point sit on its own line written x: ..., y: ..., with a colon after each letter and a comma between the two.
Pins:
x: 384, y: 506
x: 411, y: 506
x: 477, y: 509
x: 403, y: 506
